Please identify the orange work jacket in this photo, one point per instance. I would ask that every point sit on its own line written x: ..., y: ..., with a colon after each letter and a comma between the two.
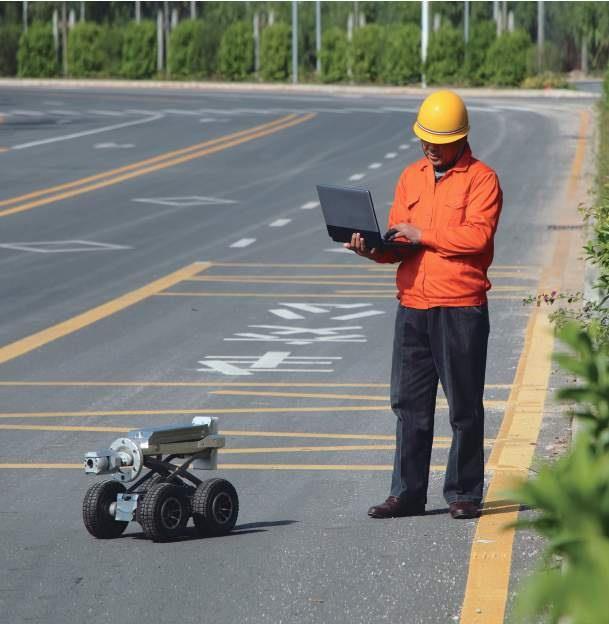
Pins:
x: 458, y: 217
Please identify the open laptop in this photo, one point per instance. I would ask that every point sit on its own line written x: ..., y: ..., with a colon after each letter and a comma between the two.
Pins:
x: 348, y: 210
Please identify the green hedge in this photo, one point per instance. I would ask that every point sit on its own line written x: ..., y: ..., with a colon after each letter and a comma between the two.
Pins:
x: 445, y: 57
x: 139, y: 50
x: 401, y: 55
x: 37, y: 57
x: 94, y: 50
x: 275, y: 52
x: 334, y: 55
x: 193, y: 49
x: 9, y: 44
x: 506, y: 59
x: 366, y: 53
x: 236, y: 56
x: 482, y: 36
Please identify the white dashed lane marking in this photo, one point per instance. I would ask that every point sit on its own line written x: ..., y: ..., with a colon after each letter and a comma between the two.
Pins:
x: 404, y: 146
x: 390, y: 155
x: 243, y: 242
x: 279, y: 222
x: 310, y: 205
x: 356, y: 176
x: 374, y: 165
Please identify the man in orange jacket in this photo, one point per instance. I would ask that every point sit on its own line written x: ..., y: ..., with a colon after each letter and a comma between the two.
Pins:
x: 447, y: 204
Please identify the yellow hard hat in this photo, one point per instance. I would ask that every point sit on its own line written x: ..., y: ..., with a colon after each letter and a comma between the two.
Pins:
x: 442, y: 118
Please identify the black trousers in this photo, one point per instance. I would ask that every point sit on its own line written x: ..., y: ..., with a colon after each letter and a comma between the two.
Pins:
x: 446, y: 344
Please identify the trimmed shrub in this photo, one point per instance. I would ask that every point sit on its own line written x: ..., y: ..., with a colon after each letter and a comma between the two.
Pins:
x: 606, y: 87
x: 193, y: 49
x: 275, y: 50
x: 445, y: 56
x: 36, y: 57
x: 506, y: 59
x: 366, y: 50
x: 547, y: 80
x: 553, y: 59
x: 94, y: 50
x: 9, y: 44
x: 139, y: 50
x: 481, y: 38
x: 334, y: 55
x: 401, y: 55
x: 236, y: 56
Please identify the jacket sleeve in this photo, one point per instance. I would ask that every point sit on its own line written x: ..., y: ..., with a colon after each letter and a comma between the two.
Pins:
x: 481, y: 217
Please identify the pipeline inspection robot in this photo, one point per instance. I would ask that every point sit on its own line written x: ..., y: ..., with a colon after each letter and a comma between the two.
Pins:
x: 164, y: 498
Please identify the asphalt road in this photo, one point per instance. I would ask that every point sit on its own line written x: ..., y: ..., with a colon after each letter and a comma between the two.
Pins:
x: 309, y: 431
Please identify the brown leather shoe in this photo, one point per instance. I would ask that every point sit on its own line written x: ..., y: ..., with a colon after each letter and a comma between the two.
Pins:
x: 464, y: 510
x: 393, y: 507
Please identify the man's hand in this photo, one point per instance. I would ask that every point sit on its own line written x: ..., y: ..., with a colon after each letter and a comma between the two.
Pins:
x: 405, y: 230
x: 358, y: 245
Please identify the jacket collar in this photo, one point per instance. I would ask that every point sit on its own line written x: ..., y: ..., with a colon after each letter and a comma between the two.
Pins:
x: 461, y: 165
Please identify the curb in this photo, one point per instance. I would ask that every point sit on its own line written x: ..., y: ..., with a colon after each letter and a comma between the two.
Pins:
x: 345, y: 90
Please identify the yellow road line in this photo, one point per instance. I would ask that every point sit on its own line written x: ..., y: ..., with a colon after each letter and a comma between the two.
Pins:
x: 317, y: 395
x: 143, y: 163
x: 334, y: 467
x: 230, y: 433
x: 174, y: 293
x: 34, y: 341
x: 491, y: 555
x: 149, y: 169
x: 580, y: 152
x: 220, y: 410
x: 203, y: 384
x: 302, y: 395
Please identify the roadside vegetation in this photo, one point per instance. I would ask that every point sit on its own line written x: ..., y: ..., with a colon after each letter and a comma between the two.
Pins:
x: 571, y: 496
x: 362, y: 43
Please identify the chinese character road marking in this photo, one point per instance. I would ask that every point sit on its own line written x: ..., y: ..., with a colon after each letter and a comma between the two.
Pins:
x: 290, y: 335
x: 269, y: 362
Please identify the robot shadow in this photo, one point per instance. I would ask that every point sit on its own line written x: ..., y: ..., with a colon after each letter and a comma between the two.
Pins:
x: 190, y: 534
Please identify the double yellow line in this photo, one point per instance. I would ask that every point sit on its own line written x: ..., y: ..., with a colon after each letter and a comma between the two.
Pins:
x: 149, y: 165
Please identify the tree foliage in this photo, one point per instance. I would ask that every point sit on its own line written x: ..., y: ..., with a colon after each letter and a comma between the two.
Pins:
x: 401, y: 55
x: 445, y: 57
x: 275, y: 52
x: 236, y: 56
x: 506, y: 59
x: 37, y: 57
x: 192, y: 51
x: 139, y: 50
x: 366, y: 53
x: 334, y: 55
x: 9, y: 45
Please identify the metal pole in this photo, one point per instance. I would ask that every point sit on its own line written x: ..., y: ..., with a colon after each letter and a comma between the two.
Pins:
x: 318, y: 37
x: 82, y: 11
x: 159, y: 41
x: 193, y: 9
x: 294, y: 41
x: 25, y: 15
x: 424, y: 38
x: 497, y: 16
x: 138, y: 11
x: 540, y: 35
x: 466, y: 21
x: 256, y: 43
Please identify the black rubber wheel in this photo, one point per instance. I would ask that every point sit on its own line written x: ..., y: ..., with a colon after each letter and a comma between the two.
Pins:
x: 96, y: 510
x: 164, y: 511
x: 215, y: 507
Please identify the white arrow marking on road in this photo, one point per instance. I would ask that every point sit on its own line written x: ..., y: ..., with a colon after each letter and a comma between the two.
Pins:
x: 243, y: 242
x: 309, y: 205
x: 287, y: 314
x: 390, y: 155
x: 357, y: 176
x: 223, y: 367
x: 375, y: 165
x: 348, y: 317
x: 113, y: 145
x: 271, y: 359
x: 280, y: 222
x: 76, y: 135
x: 189, y: 200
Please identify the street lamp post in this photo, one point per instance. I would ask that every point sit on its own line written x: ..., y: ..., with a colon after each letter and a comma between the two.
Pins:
x: 294, y: 41
x: 424, y: 38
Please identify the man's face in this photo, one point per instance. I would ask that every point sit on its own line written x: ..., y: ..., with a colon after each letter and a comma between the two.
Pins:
x: 442, y: 155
